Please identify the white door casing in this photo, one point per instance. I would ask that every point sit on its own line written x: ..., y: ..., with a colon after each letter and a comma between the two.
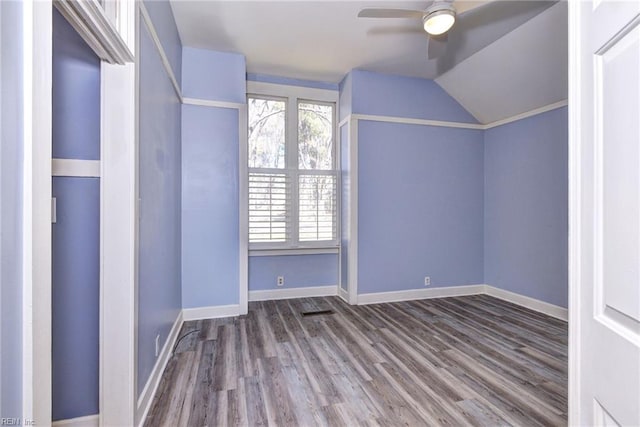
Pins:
x: 111, y: 33
x: 604, y: 182
x: 37, y: 42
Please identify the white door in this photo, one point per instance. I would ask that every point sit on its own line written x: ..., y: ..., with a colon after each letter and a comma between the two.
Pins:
x: 605, y: 213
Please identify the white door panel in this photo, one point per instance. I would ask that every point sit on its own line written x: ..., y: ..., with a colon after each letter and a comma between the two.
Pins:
x: 610, y: 17
x: 617, y: 167
x: 605, y: 219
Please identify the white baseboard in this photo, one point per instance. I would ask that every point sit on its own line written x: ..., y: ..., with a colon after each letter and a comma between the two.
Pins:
x: 344, y: 294
x: 88, y: 421
x: 414, y: 294
x: 455, y: 291
x: 210, y: 312
x: 528, y: 302
x: 148, y: 393
x: 274, y: 294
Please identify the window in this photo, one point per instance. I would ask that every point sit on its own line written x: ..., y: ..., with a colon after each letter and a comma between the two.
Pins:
x: 292, y: 173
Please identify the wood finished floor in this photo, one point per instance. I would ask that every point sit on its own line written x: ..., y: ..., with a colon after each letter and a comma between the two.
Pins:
x: 472, y: 360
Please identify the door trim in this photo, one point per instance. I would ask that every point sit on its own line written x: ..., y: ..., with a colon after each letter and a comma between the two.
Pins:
x: 36, y: 257
x: 575, y: 201
x: 91, y: 22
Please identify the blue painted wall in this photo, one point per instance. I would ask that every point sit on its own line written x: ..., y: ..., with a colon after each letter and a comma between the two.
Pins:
x: 420, y: 210
x: 210, y: 207
x: 76, y: 234
x: 212, y: 75
x: 76, y: 72
x: 76, y: 297
x: 159, y: 286
x: 299, y: 271
x: 210, y: 170
x: 410, y: 97
x: 267, y: 78
x: 526, y: 194
x: 11, y: 158
x: 420, y: 188
x: 346, y: 96
x: 161, y: 15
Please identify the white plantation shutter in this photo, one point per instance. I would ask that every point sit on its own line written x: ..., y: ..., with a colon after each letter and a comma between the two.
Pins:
x: 317, y: 207
x: 269, y: 207
x: 292, y: 172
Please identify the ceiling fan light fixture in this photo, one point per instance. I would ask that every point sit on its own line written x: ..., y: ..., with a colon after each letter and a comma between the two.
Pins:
x: 439, y: 21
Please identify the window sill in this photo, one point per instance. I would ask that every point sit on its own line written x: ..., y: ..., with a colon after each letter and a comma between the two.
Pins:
x: 294, y: 251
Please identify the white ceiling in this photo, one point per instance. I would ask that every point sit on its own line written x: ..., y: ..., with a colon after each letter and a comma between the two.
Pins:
x: 324, y: 40
x: 504, y: 58
x: 522, y: 71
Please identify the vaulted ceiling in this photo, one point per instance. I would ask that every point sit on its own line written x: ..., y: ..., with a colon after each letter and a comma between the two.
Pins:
x: 324, y: 40
x: 520, y: 72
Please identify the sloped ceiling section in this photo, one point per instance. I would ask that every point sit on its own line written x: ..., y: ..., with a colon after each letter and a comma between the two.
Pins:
x: 524, y: 70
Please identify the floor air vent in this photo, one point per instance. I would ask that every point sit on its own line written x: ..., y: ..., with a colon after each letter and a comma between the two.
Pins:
x: 316, y: 313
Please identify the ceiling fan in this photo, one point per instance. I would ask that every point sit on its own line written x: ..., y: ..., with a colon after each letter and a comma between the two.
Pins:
x: 437, y: 19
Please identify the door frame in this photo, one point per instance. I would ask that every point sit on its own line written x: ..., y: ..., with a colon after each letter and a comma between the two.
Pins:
x: 37, y: 40
x: 110, y: 32
x: 575, y: 201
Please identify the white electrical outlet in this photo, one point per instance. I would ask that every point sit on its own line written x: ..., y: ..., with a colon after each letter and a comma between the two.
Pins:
x: 427, y: 281
x: 157, y: 345
x: 280, y: 281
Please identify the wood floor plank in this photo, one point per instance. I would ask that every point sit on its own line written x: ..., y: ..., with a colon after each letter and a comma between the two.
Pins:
x: 256, y: 410
x: 480, y: 415
x: 474, y: 360
x: 530, y: 404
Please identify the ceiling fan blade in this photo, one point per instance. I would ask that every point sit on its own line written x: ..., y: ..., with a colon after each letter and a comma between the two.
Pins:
x: 394, y: 30
x: 437, y: 46
x: 390, y: 13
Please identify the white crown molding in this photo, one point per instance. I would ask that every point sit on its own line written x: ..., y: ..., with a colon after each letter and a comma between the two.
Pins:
x: 528, y: 302
x: 275, y: 294
x: 88, y: 421
x: 416, y: 294
x: 76, y: 168
x: 459, y: 125
x: 210, y: 312
x: 212, y: 103
x: 527, y: 114
x: 421, y: 122
x: 145, y: 399
x: 156, y: 40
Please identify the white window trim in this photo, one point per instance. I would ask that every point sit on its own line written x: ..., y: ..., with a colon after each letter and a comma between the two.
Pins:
x: 293, y: 95
x: 286, y: 91
x: 297, y: 251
